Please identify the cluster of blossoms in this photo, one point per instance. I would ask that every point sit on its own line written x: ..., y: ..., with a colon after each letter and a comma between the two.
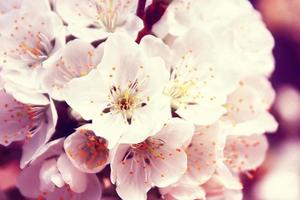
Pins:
x: 181, y: 112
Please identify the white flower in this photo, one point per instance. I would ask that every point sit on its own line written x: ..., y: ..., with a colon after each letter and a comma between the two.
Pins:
x: 52, y: 176
x: 159, y: 161
x: 248, y: 108
x: 33, y: 123
x: 181, y: 15
x: 87, y: 152
x: 235, y: 25
x: 96, y: 19
x: 74, y: 60
x: 27, y: 44
x: 123, y: 96
x: 198, y: 86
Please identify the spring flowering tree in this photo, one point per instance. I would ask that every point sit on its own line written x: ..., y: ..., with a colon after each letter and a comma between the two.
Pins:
x: 132, y: 99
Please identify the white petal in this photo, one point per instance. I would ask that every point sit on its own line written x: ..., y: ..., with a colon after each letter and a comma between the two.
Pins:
x: 74, y: 178
x: 77, y: 59
x: 201, y: 114
x: 44, y: 134
x: 47, y: 171
x: 167, y: 165
x: 155, y: 47
x: 202, y: 154
x: 131, y: 178
x: 245, y: 153
x: 110, y: 127
x: 183, y: 191
x: 89, y: 101
x: 176, y: 132
x: 228, y: 179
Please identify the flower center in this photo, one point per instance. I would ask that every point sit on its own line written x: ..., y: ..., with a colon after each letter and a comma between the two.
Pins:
x: 124, y: 101
x: 93, y: 151
x: 107, y: 14
x: 37, y: 52
x: 150, y: 145
x: 179, y: 92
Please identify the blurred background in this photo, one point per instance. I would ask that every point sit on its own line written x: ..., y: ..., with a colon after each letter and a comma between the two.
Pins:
x: 279, y: 177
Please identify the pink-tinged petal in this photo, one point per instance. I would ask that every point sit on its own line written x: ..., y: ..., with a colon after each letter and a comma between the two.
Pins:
x: 28, y: 181
x: 117, y: 156
x: 182, y: 191
x: 216, y: 191
x: 92, y: 192
x: 76, y: 179
x: 87, y: 152
x: 7, y: 6
x: 262, y: 123
x: 51, y: 149
x: 176, y: 132
x: 264, y: 89
x: 245, y: 152
x: 131, y: 176
x: 167, y: 165
x: 132, y: 181
x: 42, y: 136
x: 248, y: 108
x: 227, y: 178
x: 19, y: 120
x: 47, y: 171
x: 202, y: 154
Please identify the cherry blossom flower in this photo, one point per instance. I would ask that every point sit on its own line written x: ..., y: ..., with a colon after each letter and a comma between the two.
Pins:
x: 28, y: 43
x: 96, y: 19
x: 123, y: 96
x: 87, y: 152
x: 33, y: 123
x: 247, y: 108
x: 235, y: 25
x: 52, y: 176
x: 160, y: 160
x: 181, y: 113
x: 198, y: 86
x: 181, y: 15
x: 74, y: 60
